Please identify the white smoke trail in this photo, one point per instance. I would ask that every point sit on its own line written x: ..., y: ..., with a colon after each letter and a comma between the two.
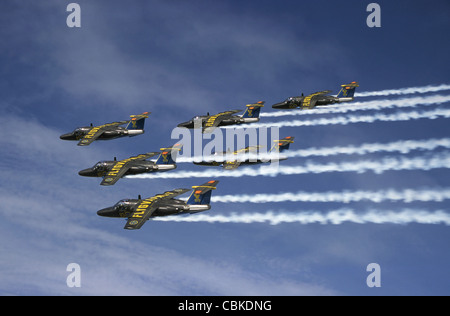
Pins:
x: 367, y: 105
x: 426, y: 162
x: 401, y: 146
x: 425, y: 89
x: 336, y: 217
x: 349, y: 119
x: 405, y: 195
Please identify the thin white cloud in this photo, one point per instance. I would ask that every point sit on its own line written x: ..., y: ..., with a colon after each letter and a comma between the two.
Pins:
x: 112, y: 264
x: 95, y: 65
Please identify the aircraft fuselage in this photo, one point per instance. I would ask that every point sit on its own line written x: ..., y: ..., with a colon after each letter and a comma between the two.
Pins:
x: 103, y: 167
x: 233, y: 120
x: 297, y: 102
x: 124, y: 208
x: 112, y: 133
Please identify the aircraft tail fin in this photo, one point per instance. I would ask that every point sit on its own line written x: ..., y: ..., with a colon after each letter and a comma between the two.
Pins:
x: 201, y: 195
x: 282, y: 144
x: 137, y: 121
x: 168, y: 155
x: 348, y: 90
x: 253, y: 110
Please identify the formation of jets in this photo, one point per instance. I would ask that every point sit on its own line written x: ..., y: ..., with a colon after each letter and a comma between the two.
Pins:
x: 138, y: 211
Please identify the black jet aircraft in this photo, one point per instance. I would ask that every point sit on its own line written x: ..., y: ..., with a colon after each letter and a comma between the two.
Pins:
x: 112, y: 171
x: 86, y: 135
x: 138, y: 211
x: 210, y: 122
x: 319, y: 98
x: 232, y: 160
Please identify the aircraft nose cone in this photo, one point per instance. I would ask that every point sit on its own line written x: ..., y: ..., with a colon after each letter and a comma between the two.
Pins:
x: 279, y: 105
x: 106, y: 211
x: 67, y: 136
x: 87, y: 173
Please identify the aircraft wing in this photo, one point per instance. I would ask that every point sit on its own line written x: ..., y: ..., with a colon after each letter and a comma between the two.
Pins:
x: 121, y: 167
x: 310, y: 100
x: 249, y: 149
x: 231, y: 164
x: 96, y: 132
x: 147, y: 207
x: 214, y: 120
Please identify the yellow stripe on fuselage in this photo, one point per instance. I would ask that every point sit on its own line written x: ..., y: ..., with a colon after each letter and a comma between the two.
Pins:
x: 145, y: 204
x: 119, y: 165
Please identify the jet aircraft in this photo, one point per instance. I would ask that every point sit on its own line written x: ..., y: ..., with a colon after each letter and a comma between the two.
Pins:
x: 86, y: 135
x: 112, y: 171
x: 138, y: 211
x: 319, y: 98
x: 210, y: 122
x: 229, y: 162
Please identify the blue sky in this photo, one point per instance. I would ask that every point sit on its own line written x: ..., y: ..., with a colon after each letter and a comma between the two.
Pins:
x: 179, y: 59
